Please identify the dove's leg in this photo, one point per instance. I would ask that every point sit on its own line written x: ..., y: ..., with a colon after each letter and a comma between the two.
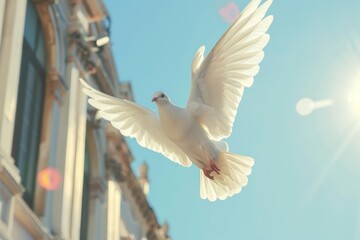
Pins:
x: 214, y: 167
x: 207, y: 172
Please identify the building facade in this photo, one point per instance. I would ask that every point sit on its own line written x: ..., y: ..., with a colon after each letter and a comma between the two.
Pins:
x: 64, y: 172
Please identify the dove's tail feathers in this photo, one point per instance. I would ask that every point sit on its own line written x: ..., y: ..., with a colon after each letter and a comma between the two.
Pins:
x: 234, y: 170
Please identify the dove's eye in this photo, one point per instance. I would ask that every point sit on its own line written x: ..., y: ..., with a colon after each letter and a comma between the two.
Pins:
x: 162, y: 95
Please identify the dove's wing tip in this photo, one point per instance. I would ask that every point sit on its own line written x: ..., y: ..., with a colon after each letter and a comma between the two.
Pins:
x: 82, y: 81
x: 84, y: 84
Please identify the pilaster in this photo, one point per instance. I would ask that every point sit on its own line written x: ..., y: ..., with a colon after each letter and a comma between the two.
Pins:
x: 10, y: 58
x: 79, y: 164
x: 97, y: 210
x: 66, y: 157
x: 11, y: 38
x: 113, y: 214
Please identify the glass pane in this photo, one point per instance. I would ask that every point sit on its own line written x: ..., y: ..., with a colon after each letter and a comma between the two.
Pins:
x: 28, y: 119
x: 31, y: 24
x: 40, y: 49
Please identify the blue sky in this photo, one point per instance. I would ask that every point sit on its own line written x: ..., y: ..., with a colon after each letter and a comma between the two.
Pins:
x: 304, y: 183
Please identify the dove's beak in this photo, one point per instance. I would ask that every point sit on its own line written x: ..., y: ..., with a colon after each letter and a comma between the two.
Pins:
x: 154, y: 99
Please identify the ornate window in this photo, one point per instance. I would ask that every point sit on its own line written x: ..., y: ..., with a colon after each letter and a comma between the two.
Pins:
x: 30, y: 103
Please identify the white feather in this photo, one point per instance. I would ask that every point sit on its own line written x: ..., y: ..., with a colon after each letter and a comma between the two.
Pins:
x: 192, y: 134
x: 137, y: 122
x: 228, y: 68
x: 233, y: 176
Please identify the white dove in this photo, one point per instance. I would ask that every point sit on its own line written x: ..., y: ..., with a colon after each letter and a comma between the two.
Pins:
x: 193, y: 134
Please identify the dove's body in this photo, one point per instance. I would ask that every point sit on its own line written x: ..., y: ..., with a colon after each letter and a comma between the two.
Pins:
x: 192, y: 134
x: 185, y: 131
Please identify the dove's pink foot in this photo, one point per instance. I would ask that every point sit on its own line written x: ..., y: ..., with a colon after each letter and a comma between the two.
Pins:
x: 214, y: 167
x: 207, y: 172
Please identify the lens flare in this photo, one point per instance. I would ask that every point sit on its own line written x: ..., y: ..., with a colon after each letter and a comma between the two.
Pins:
x: 306, y: 106
x: 229, y: 12
x: 49, y: 178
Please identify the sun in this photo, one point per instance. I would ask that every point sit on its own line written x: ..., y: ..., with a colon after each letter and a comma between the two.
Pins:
x: 354, y: 99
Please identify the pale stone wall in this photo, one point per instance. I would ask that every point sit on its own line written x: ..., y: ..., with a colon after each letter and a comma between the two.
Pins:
x: 118, y: 208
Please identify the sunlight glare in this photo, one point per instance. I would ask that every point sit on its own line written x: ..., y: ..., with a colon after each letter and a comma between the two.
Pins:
x: 354, y: 99
x: 332, y: 162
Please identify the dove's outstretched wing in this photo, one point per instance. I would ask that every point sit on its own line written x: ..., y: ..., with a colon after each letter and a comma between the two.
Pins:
x: 218, y: 81
x: 137, y: 122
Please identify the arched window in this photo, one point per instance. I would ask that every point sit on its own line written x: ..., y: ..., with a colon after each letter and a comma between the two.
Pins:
x: 30, y: 103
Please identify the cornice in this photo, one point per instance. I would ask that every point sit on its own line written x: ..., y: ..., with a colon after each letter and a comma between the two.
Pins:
x: 10, y: 175
x: 30, y: 221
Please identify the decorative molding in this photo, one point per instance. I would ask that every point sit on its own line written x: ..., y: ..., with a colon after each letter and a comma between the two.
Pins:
x: 48, y: 12
x: 57, y: 87
x: 98, y: 189
x: 96, y: 9
x: 25, y: 216
x: 114, y: 169
x: 80, y: 53
x: 143, y: 178
x: 118, y: 156
x: 147, y: 213
x: 10, y: 175
x: 49, y: 27
x: 118, y: 159
x: 92, y: 60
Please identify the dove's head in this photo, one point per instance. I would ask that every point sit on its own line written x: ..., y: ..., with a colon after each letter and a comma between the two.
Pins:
x: 160, y: 97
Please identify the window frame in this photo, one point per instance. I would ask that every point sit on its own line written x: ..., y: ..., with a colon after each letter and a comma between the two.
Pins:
x: 32, y: 76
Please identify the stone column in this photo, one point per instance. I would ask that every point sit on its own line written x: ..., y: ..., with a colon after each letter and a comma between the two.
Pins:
x: 98, y: 185
x: 113, y: 213
x: 79, y: 164
x: 68, y: 138
x: 97, y: 211
x: 10, y: 59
